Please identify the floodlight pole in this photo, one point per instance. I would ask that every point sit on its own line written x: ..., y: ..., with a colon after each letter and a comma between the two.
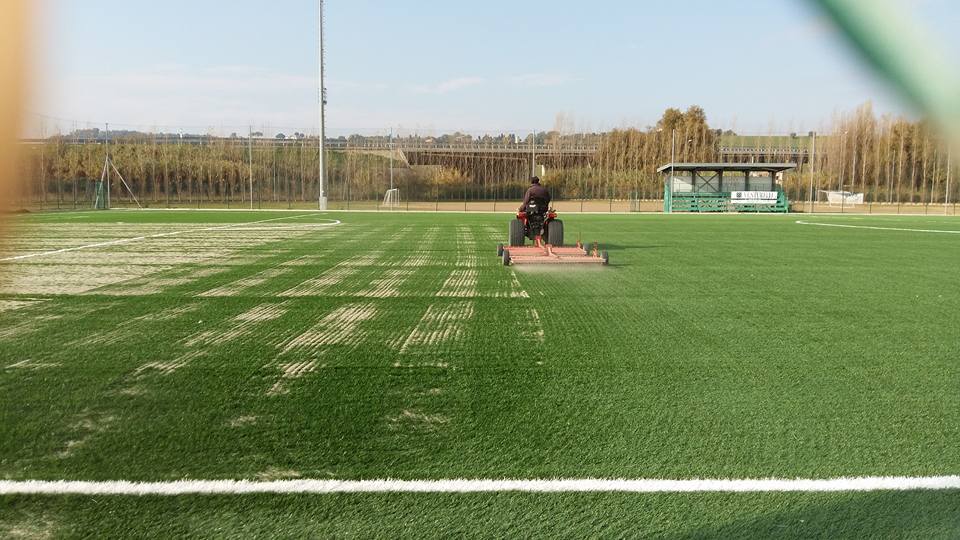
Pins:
x: 106, y: 136
x: 250, y: 161
x: 391, y: 158
x: 843, y: 147
x: 946, y: 198
x: 322, y: 200
x: 533, y: 153
x: 673, y: 155
x: 813, y: 164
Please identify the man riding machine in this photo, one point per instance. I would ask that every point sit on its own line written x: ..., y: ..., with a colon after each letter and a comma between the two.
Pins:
x: 535, y: 219
x: 538, y: 222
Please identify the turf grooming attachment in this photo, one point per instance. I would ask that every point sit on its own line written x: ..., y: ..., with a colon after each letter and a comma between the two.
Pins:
x: 541, y: 253
x: 535, y: 222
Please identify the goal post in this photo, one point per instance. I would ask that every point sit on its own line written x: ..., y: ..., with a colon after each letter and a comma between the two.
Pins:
x: 837, y: 198
x: 102, y: 190
x: 391, y: 199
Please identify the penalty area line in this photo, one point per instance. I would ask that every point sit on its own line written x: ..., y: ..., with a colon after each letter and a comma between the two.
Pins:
x: 161, y: 235
x: 801, y: 222
x: 560, y: 485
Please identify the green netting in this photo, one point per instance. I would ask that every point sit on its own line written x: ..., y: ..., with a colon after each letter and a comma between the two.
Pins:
x: 100, y: 196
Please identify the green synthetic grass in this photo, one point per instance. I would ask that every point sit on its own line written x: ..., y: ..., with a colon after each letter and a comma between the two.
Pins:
x: 715, y: 347
x: 673, y: 516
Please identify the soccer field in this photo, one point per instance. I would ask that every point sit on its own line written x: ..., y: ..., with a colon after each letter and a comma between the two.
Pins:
x: 159, y: 346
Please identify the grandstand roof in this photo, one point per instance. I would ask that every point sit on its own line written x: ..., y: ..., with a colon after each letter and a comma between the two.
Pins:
x: 736, y: 167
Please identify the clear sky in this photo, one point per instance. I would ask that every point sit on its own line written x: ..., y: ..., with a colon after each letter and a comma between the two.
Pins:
x: 755, y: 66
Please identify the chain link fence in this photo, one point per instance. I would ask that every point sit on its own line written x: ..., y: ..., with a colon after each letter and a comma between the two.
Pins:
x: 892, y: 167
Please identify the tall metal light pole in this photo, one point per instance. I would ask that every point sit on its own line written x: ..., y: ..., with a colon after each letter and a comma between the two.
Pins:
x: 391, y: 159
x: 673, y: 154
x: 813, y: 164
x: 250, y: 161
x: 106, y: 164
x: 322, y: 201
x: 946, y: 198
x: 843, y: 147
x: 533, y: 154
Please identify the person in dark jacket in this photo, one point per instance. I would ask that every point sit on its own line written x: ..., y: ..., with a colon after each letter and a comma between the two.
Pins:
x: 536, y: 193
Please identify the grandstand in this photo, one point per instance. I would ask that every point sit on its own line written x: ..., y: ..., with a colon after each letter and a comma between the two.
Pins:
x: 724, y: 187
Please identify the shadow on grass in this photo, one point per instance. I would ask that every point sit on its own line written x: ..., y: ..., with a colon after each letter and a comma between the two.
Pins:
x: 630, y: 247
x: 914, y: 514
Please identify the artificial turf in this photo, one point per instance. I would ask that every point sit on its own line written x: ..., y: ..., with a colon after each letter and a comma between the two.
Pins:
x: 714, y: 347
x: 580, y: 515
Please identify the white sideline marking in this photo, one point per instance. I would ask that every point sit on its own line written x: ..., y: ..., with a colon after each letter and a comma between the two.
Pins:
x: 561, y: 485
x: 801, y: 222
x: 158, y: 235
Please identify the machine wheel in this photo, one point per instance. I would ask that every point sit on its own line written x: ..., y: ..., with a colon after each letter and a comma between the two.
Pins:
x: 499, y: 250
x: 516, y: 233
x: 605, y: 256
x: 555, y: 233
x: 506, y: 257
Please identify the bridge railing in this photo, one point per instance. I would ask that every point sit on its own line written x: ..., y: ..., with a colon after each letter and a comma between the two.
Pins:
x: 762, y: 150
x: 332, y: 144
x: 462, y: 147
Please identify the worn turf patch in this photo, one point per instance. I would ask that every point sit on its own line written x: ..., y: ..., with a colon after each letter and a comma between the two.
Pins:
x: 397, y: 346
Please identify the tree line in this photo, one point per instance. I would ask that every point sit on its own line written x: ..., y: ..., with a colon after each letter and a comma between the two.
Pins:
x: 890, y: 159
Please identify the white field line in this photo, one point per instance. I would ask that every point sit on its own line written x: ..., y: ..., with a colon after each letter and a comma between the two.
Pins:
x: 213, y: 210
x: 801, y: 222
x: 158, y: 235
x: 561, y: 485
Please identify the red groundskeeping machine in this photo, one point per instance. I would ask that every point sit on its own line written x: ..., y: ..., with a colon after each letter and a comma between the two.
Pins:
x: 538, y: 223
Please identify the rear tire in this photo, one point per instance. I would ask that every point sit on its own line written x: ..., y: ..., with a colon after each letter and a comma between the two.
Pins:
x: 506, y: 258
x: 555, y: 233
x: 499, y: 250
x: 605, y: 256
x: 516, y: 233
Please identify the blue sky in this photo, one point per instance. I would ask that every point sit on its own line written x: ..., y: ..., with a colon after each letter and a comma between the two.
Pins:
x: 756, y: 66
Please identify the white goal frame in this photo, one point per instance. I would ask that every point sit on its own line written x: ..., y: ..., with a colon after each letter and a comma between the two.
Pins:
x: 842, y: 197
x: 391, y: 199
